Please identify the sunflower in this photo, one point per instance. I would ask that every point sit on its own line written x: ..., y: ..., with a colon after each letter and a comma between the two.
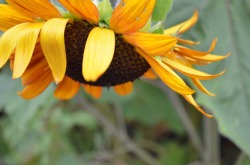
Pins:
x: 76, y: 49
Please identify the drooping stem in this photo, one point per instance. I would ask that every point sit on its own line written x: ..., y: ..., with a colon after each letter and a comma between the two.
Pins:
x: 187, y: 123
x: 241, y: 158
x: 211, y: 142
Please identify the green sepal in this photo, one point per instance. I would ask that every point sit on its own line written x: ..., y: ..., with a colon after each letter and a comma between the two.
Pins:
x: 105, y: 10
x: 102, y: 25
x: 157, y: 27
x: 162, y: 7
x: 68, y: 15
x: 147, y: 27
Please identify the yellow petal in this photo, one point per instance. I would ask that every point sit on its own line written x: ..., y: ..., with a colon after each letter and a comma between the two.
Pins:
x: 201, y: 87
x: 67, y: 89
x: 36, y: 8
x: 25, y: 47
x: 34, y: 72
x: 98, y: 53
x: 70, y: 8
x: 37, y: 56
x: 8, y: 42
x: 184, y: 26
x: 168, y: 76
x: 37, y: 87
x: 150, y: 74
x: 190, y: 72
x: 152, y: 44
x: 9, y: 17
x: 53, y: 46
x: 191, y: 100
x: 196, y: 62
x: 130, y: 16
x: 190, y: 52
x: 124, y: 89
x: 11, y: 62
x: 210, y: 57
x: 85, y: 9
x: 188, y: 42
x: 174, y: 57
x: 188, y: 61
x: 94, y: 91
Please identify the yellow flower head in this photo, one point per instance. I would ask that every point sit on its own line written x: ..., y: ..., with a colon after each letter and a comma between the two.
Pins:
x: 44, y: 45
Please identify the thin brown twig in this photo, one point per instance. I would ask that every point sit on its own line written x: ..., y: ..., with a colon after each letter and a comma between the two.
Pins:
x: 121, y: 124
x: 110, y: 155
x: 119, y: 135
x: 181, y: 110
x: 211, y: 142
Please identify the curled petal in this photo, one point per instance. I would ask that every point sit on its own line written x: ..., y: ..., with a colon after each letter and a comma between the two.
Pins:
x: 94, y: 91
x: 184, y: 26
x: 152, y: 44
x: 11, y: 62
x: 124, y: 89
x: 10, y: 17
x: 36, y: 8
x: 187, y: 42
x: 130, y: 16
x: 37, y: 56
x: 191, y: 100
x: 8, y: 42
x: 167, y: 75
x: 67, y: 89
x: 53, y: 46
x: 210, y: 57
x: 34, y: 72
x: 70, y: 8
x: 25, y: 47
x: 189, y: 71
x: 150, y: 74
x: 98, y: 53
x: 201, y: 87
x: 38, y: 86
x: 196, y: 62
x: 190, y: 52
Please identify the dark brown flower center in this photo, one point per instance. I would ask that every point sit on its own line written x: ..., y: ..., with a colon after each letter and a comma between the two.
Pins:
x: 127, y: 65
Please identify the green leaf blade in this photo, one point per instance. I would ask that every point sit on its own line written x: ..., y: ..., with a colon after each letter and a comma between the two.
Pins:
x: 161, y: 10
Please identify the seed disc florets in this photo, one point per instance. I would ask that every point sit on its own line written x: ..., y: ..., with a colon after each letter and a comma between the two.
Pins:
x: 127, y: 65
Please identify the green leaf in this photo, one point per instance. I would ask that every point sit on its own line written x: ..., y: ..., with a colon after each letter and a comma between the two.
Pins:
x: 229, y: 22
x: 162, y: 7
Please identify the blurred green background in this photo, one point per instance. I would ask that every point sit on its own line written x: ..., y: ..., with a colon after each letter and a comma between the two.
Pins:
x: 151, y: 126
